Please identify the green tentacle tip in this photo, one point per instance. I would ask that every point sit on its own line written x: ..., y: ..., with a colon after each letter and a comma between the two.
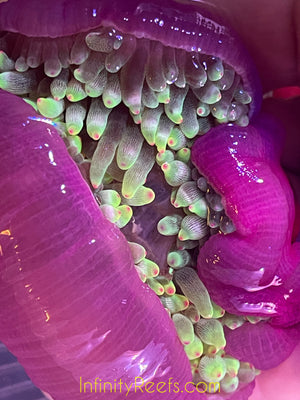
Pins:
x: 174, y: 108
x: 183, y: 155
x: 97, y: 117
x: 193, y: 228
x: 164, y: 157
x: 168, y: 285
x: 192, y: 313
x: 212, y: 369
x: 173, y: 195
x: 75, y: 115
x: 109, y: 196
x: 232, y: 366
x: 169, y: 225
x: 138, y: 252
x: 218, y: 311
x: 229, y: 384
x: 200, y: 208
x: 215, y: 69
x: 107, y: 179
x: 6, y: 64
x: 176, y: 172
x: 126, y: 215
x: 103, y: 156
x: 164, y: 95
x: 211, y: 332
x: 194, y: 349
x: 58, y: 86
x: 95, y: 87
x: 178, y: 259
x: 209, y: 94
x: 177, y: 139
x: 155, y: 286
x: 194, y: 365
x: 255, y: 319
x: 112, y: 93
x: 242, y: 96
x: 75, y: 91
x: 142, y: 196
x: 149, y: 268
x: 203, y: 109
x: 49, y: 107
x: 136, y: 175
x: 129, y: 147
x: 233, y: 321
x: 247, y: 372
x: 210, y: 350
x: 184, y: 328
x: 163, y: 132
x: 75, y: 143
x: 187, y: 194
x: 17, y: 82
x: 149, y: 124
x: 193, y: 288
x: 137, y: 118
x: 221, y: 353
x: 111, y: 213
x: 175, y: 303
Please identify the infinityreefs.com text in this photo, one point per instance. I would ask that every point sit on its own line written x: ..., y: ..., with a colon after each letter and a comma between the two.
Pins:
x: 140, y: 385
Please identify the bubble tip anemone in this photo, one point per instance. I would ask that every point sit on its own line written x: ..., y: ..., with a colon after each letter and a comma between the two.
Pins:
x: 239, y: 269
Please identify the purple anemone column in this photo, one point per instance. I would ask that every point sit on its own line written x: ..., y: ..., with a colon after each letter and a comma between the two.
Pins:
x: 72, y: 307
x: 256, y: 269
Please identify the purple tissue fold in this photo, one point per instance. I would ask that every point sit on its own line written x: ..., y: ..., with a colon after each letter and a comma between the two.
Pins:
x: 72, y: 308
x: 256, y: 269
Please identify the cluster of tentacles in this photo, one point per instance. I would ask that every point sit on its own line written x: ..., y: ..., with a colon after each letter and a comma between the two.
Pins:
x: 152, y: 102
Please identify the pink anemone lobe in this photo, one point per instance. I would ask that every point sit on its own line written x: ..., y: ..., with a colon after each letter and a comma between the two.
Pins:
x: 71, y: 302
x: 195, y: 28
x: 72, y: 305
x: 255, y: 270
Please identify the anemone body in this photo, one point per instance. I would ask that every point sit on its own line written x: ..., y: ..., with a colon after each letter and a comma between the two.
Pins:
x: 76, y: 305
x: 179, y: 25
x: 71, y: 305
x: 254, y: 270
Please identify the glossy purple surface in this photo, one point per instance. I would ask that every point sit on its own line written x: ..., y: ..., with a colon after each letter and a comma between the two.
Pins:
x: 187, y: 26
x: 63, y: 292
x: 263, y: 345
x: 71, y: 302
x: 255, y: 270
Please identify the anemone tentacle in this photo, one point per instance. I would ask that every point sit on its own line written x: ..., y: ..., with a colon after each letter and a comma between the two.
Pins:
x: 122, y: 81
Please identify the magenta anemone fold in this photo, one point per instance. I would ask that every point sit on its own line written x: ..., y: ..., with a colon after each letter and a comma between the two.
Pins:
x: 72, y: 305
x: 256, y: 269
x: 192, y: 27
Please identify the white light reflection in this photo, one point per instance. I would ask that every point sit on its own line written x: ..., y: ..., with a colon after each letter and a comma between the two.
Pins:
x: 62, y: 188
x: 42, y: 119
x: 242, y: 167
x: 51, y: 158
x: 210, y: 24
x: 287, y: 296
x: 252, y: 308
